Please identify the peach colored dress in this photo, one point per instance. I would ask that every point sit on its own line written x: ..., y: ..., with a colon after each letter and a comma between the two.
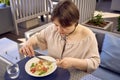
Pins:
x: 81, y: 44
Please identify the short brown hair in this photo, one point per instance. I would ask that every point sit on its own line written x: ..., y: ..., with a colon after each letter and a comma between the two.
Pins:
x: 66, y: 12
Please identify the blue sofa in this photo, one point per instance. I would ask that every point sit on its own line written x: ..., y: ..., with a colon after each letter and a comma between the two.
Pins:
x: 105, y: 71
x: 108, y: 70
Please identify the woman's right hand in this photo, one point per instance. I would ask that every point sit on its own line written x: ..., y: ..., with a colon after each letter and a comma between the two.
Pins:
x: 27, y: 49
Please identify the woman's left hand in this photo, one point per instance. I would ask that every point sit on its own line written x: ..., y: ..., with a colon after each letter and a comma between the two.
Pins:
x: 65, y: 62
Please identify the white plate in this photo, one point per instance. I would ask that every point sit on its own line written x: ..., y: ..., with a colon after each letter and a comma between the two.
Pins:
x: 34, y: 59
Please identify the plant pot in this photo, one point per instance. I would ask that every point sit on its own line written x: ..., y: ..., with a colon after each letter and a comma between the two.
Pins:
x: 30, y: 23
x: 108, y: 27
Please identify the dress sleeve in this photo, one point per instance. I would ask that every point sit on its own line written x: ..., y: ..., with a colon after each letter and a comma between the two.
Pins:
x: 93, y: 58
x: 41, y: 39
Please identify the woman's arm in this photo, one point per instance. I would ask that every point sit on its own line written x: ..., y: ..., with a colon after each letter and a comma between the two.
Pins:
x: 89, y: 63
x: 27, y: 48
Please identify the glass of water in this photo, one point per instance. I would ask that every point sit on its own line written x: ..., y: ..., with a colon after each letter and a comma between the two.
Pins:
x: 13, y: 71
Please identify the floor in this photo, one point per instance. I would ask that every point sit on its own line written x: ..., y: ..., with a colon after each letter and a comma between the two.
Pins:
x: 103, y: 5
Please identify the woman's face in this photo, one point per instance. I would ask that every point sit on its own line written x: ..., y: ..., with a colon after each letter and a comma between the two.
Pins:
x: 62, y: 30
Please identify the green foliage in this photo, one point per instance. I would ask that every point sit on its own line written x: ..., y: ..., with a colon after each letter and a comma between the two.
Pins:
x: 97, y: 20
x: 7, y: 2
x: 118, y: 27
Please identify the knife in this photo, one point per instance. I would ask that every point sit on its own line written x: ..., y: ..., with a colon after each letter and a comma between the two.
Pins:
x: 44, y: 59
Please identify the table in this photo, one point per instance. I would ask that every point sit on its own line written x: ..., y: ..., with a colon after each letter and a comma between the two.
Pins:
x: 9, y: 52
x: 59, y: 74
x: 12, y: 56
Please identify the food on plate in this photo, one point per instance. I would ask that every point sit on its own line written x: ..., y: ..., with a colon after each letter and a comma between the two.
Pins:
x: 41, y: 67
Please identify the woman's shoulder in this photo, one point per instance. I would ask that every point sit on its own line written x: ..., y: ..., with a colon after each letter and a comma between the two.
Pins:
x: 50, y: 28
x: 85, y: 31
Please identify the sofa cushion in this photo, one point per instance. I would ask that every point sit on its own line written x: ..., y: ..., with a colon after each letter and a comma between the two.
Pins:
x: 100, y: 38
x: 105, y: 74
x: 110, y: 55
x: 2, y: 5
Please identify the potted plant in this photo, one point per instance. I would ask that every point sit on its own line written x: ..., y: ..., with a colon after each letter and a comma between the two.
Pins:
x: 117, y: 29
x: 118, y: 26
x: 6, y: 2
x: 98, y: 22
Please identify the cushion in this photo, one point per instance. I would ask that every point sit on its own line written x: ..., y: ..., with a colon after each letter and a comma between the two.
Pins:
x: 106, y: 74
x: 100, y: 38
x: 110, y: 55
x: 2, y: 5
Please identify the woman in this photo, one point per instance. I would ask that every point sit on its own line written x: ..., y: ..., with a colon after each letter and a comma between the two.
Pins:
x: 71, y: 44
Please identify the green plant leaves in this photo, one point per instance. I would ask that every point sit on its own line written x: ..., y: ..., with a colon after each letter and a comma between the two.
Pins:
x: 118, y: 27
x: 7, y: 2
x: 97, y: 20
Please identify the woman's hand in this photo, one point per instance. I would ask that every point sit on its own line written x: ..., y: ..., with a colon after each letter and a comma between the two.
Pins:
x: 69, y: 62
x: 27, y: 50
x: 65, y: 62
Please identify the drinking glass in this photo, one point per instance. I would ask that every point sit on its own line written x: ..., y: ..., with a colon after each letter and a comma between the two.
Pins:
x: 13, y: 71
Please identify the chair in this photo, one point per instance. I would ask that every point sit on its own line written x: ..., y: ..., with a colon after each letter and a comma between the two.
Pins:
x: 53, y: 3
x: 23, y: 10
x: 6, y: 21
x: 86, y: 9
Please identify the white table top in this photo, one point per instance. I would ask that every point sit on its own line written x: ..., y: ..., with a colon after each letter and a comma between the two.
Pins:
x: 9, y: 50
